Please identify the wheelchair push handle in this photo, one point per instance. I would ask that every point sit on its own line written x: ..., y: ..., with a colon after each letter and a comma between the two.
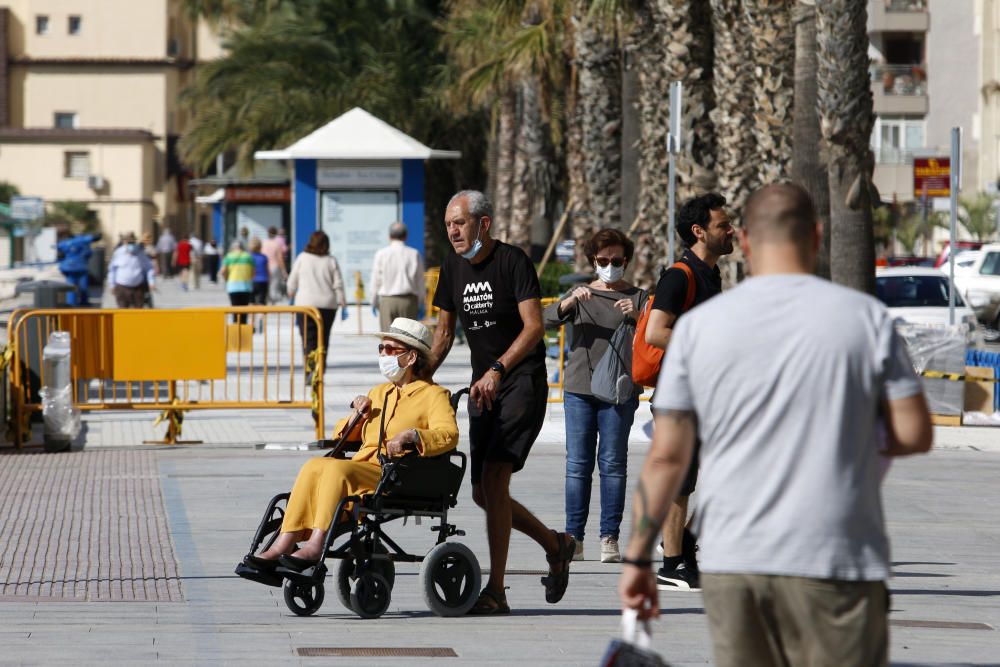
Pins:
x: 457, y: 396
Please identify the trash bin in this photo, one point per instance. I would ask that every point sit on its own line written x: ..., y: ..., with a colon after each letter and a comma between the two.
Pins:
x: 97, y: 267
x: 48, y: 294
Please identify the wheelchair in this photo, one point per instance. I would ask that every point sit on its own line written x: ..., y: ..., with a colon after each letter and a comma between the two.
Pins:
x: 410, y: 486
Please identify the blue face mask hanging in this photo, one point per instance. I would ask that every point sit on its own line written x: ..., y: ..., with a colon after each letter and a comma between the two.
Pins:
x: 477, y: 246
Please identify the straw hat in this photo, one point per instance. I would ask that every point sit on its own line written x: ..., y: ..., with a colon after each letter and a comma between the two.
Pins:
x: 409, y: 332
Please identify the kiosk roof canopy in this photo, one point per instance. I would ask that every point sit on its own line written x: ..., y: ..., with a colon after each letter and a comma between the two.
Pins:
x: 356, y: 135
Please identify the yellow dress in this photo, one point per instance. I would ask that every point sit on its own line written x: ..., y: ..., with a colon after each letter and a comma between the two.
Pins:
x: 323, y: 481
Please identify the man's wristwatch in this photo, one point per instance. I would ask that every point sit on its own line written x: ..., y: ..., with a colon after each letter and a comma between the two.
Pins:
x: 499, y: 368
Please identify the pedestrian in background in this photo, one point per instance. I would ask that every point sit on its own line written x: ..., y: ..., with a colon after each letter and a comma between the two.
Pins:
x: 211, y: 253
x: 274, y: 247
x: 197, y: 251
x: 596, y: 430
x: 260, y: 273
x: 397, y: 279
x: 783, y: 378
x: 315, y: 281
x: 182, y: 260
x: 237, y: 271
x: 131, y: 273
x: 165, y: 247
x: 707, y: 231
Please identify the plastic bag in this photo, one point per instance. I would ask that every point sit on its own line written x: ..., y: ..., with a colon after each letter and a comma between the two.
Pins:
x: 632, y: 650
x: 62, y: 419
x: 612, y: 378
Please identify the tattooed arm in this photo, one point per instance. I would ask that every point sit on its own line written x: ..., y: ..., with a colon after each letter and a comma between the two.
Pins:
x: 660, y: 480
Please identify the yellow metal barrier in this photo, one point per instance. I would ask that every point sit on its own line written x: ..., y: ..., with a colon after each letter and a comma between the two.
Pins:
x: 561, y: 339
x: 170, y: 360
x: 431, y: 278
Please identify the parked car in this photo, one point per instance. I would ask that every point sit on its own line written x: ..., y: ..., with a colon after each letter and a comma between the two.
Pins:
x: 942, y: 258
x: 918, y: 295
x: 979, y: 284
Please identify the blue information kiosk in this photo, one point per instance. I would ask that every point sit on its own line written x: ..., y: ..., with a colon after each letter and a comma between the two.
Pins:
x: 352, y: 178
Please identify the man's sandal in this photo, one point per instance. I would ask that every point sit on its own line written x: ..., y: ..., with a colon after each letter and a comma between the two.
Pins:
x: 490, y: 604
x: 556, y: 582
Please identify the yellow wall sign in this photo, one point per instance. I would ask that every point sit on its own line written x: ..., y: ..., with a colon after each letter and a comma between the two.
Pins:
x: 931, y: 177
x: 169, y: 345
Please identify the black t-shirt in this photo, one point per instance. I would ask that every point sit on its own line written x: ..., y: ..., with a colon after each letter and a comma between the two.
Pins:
x: 671, y: 290
x: 485, y: 297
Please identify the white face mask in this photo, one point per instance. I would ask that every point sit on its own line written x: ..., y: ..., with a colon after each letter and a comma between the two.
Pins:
x: 610, y: 274
x: 477, y: 246
x: 389, y: 365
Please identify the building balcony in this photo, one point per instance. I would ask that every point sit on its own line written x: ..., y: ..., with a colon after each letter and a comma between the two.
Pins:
x: 898, y: 16
x: 894, y: 181
x: 899, y: 89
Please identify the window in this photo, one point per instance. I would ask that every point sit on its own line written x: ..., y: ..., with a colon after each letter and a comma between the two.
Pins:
x: 66, y: 120
x: 895, y: 139
x: 74, y: 25
x: 991, y: 265
x: 914, y: 291
x: 41, y: 24
x: 77, y: 165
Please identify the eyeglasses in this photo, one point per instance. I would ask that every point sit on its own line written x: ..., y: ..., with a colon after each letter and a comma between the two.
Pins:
x: 614, y: 261
x: 392, y: 350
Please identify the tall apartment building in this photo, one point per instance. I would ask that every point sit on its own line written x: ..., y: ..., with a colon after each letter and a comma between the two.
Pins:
x: 927, y: 77
x: 89, y: 105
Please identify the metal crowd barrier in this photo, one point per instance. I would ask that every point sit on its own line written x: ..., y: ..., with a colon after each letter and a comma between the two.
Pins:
x: 169, y: 360
x: 556, y: 338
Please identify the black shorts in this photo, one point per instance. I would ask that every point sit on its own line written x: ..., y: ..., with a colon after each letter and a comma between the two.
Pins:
x: 691, y: 479
x: 506, y: 433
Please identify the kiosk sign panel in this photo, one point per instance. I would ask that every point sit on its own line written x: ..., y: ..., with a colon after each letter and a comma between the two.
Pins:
x: 931, y: 177
x: 357, y: 223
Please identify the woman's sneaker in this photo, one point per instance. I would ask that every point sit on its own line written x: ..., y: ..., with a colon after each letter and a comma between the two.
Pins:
x: 578, y: 554
x: 609, y: 550
x: 680, y: 579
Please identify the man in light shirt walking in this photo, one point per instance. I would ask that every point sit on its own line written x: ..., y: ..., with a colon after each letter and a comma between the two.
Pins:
x: 397, y: 279
x: 130, y: 274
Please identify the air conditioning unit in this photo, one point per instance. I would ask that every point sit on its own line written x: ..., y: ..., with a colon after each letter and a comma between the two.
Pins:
x: 95, y: 182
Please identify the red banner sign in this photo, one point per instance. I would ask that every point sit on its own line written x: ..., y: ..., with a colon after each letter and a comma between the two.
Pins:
x: 931, y: 177
x: 258, y: 193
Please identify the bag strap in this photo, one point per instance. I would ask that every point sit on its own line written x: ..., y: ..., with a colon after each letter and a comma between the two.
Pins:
x: 692, y: 286
x: 381, y: 429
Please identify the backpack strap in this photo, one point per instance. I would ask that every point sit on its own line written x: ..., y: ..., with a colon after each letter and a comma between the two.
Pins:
x: 692, y: 286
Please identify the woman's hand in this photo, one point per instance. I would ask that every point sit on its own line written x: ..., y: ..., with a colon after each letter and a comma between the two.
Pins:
x: 625, y: 305
x: 401, y: 443
x: 581, y: 293
x: 362, y: 404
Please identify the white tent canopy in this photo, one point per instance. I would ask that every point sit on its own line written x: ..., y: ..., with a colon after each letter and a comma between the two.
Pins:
x: 356, y: 135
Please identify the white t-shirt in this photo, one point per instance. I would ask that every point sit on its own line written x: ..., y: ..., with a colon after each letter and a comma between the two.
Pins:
x: 785, y: 374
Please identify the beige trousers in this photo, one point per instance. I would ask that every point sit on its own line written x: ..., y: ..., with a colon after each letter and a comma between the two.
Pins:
x: 391, y: 307
x: 771, y: 621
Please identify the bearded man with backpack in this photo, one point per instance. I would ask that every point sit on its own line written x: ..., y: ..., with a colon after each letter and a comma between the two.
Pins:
x: 707, y: 231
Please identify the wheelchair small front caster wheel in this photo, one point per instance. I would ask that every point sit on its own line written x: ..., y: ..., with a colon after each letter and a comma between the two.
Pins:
x: 450, y: 577
x: 303, y: 599
x: 370, y: 595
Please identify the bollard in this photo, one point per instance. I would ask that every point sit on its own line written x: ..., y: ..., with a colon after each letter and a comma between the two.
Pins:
x: 61, y: 418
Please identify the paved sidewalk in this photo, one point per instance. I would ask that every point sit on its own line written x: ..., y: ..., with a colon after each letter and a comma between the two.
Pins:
x: 196, y: 507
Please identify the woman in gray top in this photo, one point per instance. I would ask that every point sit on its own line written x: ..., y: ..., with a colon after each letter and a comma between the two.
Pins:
x: 596, y: 431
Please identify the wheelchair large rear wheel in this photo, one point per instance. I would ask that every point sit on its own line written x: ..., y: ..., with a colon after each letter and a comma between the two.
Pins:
x: 450, y: 578
x: 303, y: 599
x: 346, y: 576
x: 370, y: 595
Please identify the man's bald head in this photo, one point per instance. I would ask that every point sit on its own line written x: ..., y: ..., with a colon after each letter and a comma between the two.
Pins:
x: 780, y: 213
x: 397, y: 231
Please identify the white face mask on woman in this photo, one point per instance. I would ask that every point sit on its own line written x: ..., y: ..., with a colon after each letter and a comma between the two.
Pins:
x: 610, y: 274
x: 389, y: 365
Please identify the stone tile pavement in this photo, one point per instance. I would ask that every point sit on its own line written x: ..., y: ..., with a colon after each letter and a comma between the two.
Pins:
x: 940, y: 509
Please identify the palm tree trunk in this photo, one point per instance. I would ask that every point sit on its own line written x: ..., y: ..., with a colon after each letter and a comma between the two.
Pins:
x: 846, y: 120
x: 672, y: 41
x: 772, y: 42
x: 506, y: 145
x: 808, y: 165
x: 531, y: 168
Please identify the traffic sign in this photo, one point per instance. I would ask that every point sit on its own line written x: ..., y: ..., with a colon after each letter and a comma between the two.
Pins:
x: 932, y: 176
x: 26, y: 208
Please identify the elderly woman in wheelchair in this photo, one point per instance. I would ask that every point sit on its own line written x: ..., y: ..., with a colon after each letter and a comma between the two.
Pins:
x: 333, y: 496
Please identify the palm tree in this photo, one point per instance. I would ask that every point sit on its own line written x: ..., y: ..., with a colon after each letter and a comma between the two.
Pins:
x: 808, y: 167
x: 846, y: 121
x: 978, y: 216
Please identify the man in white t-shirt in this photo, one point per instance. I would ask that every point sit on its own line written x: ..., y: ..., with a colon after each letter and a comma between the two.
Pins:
x: 783, y: 378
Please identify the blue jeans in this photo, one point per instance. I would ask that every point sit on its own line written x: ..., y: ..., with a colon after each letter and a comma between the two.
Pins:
x: 596, y: 432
